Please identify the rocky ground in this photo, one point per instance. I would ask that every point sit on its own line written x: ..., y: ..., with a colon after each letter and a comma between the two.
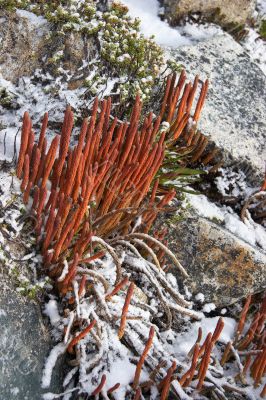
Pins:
x: 224, y: 253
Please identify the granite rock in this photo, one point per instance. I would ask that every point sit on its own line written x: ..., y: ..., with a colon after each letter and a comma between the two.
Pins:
x: 234, y: 112
x: 24, y: 344
x: 221, y: 266
x: 225, y: 12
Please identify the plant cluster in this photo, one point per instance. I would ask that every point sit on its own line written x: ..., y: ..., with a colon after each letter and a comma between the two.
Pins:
x: 94, y: 202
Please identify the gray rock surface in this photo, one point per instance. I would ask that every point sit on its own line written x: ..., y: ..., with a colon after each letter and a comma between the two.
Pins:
x: 221, y: 266
x: 234, y: 112
x: 24, y: 344
x: 22, y: 42
x: 222, y: 11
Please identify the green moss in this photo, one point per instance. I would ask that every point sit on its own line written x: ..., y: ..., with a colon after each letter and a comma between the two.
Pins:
x: 11, y: 5
x: 262, y: 30
x: 5, y: 98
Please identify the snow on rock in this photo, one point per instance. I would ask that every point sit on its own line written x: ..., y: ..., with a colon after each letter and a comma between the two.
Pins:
x: 249, y: 231
x: 33, y: 18
x: 204, y: 207
x: 50, y: 364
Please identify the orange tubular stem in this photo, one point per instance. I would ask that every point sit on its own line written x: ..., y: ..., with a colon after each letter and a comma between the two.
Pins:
x: 100, y: 387
x: 116, y: 289
x: 125, y: 310
x: 167, y: 382
x: 80, y: 336
x: 142, y: 358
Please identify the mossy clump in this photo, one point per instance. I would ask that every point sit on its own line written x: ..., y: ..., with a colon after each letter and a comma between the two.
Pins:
x: 262, y: 30
x: 125, y: 58
x: 129, y: 53
x: 11, y: 5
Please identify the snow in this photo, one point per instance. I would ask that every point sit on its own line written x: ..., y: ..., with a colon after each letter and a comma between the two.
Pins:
x: 185, y: 341
x: 247, y: 230
x: 33, y: 18
x: 121, y: 368
x: 208, y: 307
x: 204, y: 207
x: 256, y: 48
x: 51, y: 310
x: 14, y: 391
x: 147, y: 11
x: 200, y: 297
x: 151, y: 25
x: 2, y: 313
x: 50, y: 364
x: 237, y: 227
x: 121, y: 371
x: 261, y: 5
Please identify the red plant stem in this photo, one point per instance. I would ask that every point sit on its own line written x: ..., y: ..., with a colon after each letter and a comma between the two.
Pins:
x: 137, y: 394
x: 30, y: 145
x: 247, y: 364
x: 188, y: 376
x: 250, y: 334
x: 205, y: 361
x: 42, y: 198
x: 182, y: 124
x: 42, y: 162
x: 167, y: 382
x: 26, y: 129
x: 35, y: 164
x: 100, y: 387
x: 50, y: 158
x: 116, y: 289
x: 43, y: 131
x: 94, y: 257
x: 182, y: 105
x: 68, y: 227
x: 50, y: 226
x: 113, y: 388
x: 76, y: 158
x: 218, y: 330
x: 243, y: 316
x: 82, y: 286
x: 201, y: 100
x: 80, y: 336
x: 125, y: 310
x: 142, y: 358
x: 263, y: 392
x: 35, y: 198
x: 192, y: 94
x: 27, y: 193
x: 26, y: 169
x: 166, y: 93
x: 72, y: 270
x: 260, y: 367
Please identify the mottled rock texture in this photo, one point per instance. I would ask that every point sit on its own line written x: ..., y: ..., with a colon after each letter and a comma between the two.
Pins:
x: 225, y: 12
x: 24, y: 344
x: 29, y: 42
x: 234, y: 112
x: 221, y: 266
